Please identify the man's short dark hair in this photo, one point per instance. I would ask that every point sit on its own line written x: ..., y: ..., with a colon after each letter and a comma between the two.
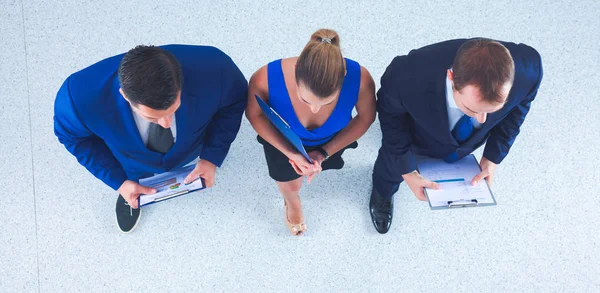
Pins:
x: 486, y: 65
x: 150, y: 76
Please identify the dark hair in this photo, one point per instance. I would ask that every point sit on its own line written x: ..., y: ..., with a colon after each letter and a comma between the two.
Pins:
x: 486, y: 65
x: 150, y: 76
x: 321, y: 65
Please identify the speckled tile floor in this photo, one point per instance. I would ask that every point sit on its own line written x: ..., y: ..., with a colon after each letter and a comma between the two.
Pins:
x: 57, y: 229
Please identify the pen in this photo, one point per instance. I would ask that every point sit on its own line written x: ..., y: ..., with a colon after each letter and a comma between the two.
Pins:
x: 450, y: 180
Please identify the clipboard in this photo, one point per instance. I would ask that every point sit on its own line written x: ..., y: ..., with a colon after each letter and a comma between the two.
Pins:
x: 283, y: 128
x: 455, y: 178
x: 169, y: 185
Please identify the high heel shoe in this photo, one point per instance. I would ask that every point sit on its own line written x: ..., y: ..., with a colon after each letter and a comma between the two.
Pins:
x: 296, y: 229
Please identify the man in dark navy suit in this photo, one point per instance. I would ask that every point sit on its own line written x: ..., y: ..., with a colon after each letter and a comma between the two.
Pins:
x: 444, y: 101
x: 149, y: 111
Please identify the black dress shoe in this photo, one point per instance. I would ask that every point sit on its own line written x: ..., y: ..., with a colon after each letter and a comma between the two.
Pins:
x: 382, y: 211
x: 127, y: 217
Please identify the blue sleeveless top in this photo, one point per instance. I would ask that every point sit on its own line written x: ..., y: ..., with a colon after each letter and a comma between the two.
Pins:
x: 279, y: 100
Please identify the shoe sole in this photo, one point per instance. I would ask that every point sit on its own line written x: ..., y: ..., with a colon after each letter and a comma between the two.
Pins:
x: 134, y: 225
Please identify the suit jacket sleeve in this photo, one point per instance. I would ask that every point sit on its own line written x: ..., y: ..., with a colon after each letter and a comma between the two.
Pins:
x: 89, y: 149
x: 225, y: 125
x: 394, y: 121
x: 504, y: 134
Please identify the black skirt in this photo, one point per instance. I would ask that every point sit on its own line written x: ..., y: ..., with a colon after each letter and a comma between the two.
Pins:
x: 280, y: 168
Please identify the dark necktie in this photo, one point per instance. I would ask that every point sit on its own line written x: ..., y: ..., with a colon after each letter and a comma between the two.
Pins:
x: 462, y: 131
x: 159, y: 139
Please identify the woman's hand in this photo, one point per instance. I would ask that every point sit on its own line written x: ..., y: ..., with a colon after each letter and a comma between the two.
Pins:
x: 305, y: 168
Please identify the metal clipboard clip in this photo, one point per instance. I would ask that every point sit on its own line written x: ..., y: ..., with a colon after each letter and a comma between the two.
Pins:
x: 462, y: 203
x: 170, y: 195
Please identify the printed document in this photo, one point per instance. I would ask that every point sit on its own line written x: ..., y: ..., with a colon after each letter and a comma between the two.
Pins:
x: 169, y: 185
x: 455, y: 180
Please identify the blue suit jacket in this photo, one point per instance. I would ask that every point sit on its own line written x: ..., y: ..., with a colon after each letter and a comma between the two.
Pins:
x: 413, y: 114
x: 95, y: 123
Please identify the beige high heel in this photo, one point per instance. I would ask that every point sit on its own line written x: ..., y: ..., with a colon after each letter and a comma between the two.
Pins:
x: 295, y: 229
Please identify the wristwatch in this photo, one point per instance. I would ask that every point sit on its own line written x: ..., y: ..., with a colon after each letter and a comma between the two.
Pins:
x: 323, y: 152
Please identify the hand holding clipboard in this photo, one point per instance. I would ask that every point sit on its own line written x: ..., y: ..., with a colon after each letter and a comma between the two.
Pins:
x: 283, y: 128
x: 286, y: 131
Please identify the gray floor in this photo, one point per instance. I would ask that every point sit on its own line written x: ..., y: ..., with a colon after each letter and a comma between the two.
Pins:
x: 57, y: 228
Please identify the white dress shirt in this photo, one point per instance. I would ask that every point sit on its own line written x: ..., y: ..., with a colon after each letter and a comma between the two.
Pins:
x: 454, y: 113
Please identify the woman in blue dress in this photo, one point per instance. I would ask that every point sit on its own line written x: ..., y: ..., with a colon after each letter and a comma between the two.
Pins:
x: 315, y: 93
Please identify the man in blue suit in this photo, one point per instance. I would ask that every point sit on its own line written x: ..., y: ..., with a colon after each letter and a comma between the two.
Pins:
x: 444, y: 101
x: 148, y: 111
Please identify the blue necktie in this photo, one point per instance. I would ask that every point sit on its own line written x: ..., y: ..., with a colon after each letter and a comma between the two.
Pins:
x: 462, y: 131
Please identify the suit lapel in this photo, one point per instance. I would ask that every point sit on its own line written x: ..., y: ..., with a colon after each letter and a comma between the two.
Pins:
x: 436, y: 98
x: 128, y: 130
x: 183, y: 115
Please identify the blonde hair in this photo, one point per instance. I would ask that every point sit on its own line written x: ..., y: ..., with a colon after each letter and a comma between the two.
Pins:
x: 321, y: 66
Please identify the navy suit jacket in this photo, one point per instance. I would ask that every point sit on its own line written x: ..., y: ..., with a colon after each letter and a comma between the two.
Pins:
x: 413, y: 113
x: 95, y: 123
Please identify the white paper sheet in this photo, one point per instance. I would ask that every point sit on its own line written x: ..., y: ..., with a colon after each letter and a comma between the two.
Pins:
x: 455, y: 180
x: 168, y: 184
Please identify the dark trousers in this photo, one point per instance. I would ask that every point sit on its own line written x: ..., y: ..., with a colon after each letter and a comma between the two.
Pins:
x: 384, y: 181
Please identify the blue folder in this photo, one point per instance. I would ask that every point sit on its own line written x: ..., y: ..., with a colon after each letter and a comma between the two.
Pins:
x: 283, y: 127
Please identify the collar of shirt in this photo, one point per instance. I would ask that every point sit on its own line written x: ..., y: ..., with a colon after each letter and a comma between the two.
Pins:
x: 450, y: 94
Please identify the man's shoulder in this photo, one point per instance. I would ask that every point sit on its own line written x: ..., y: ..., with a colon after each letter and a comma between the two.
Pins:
x: 521, y: 50
x: 89, y: 89
x: 205, y: 68
x: 413, y: 75
x: 444, y: 48
x: 95, y: 72
x: 528, y: 63
x: 95, y: 80
x: 523, y: 54
x: 200, y: 62
x: 194, y: 54
x: 425, y: 62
